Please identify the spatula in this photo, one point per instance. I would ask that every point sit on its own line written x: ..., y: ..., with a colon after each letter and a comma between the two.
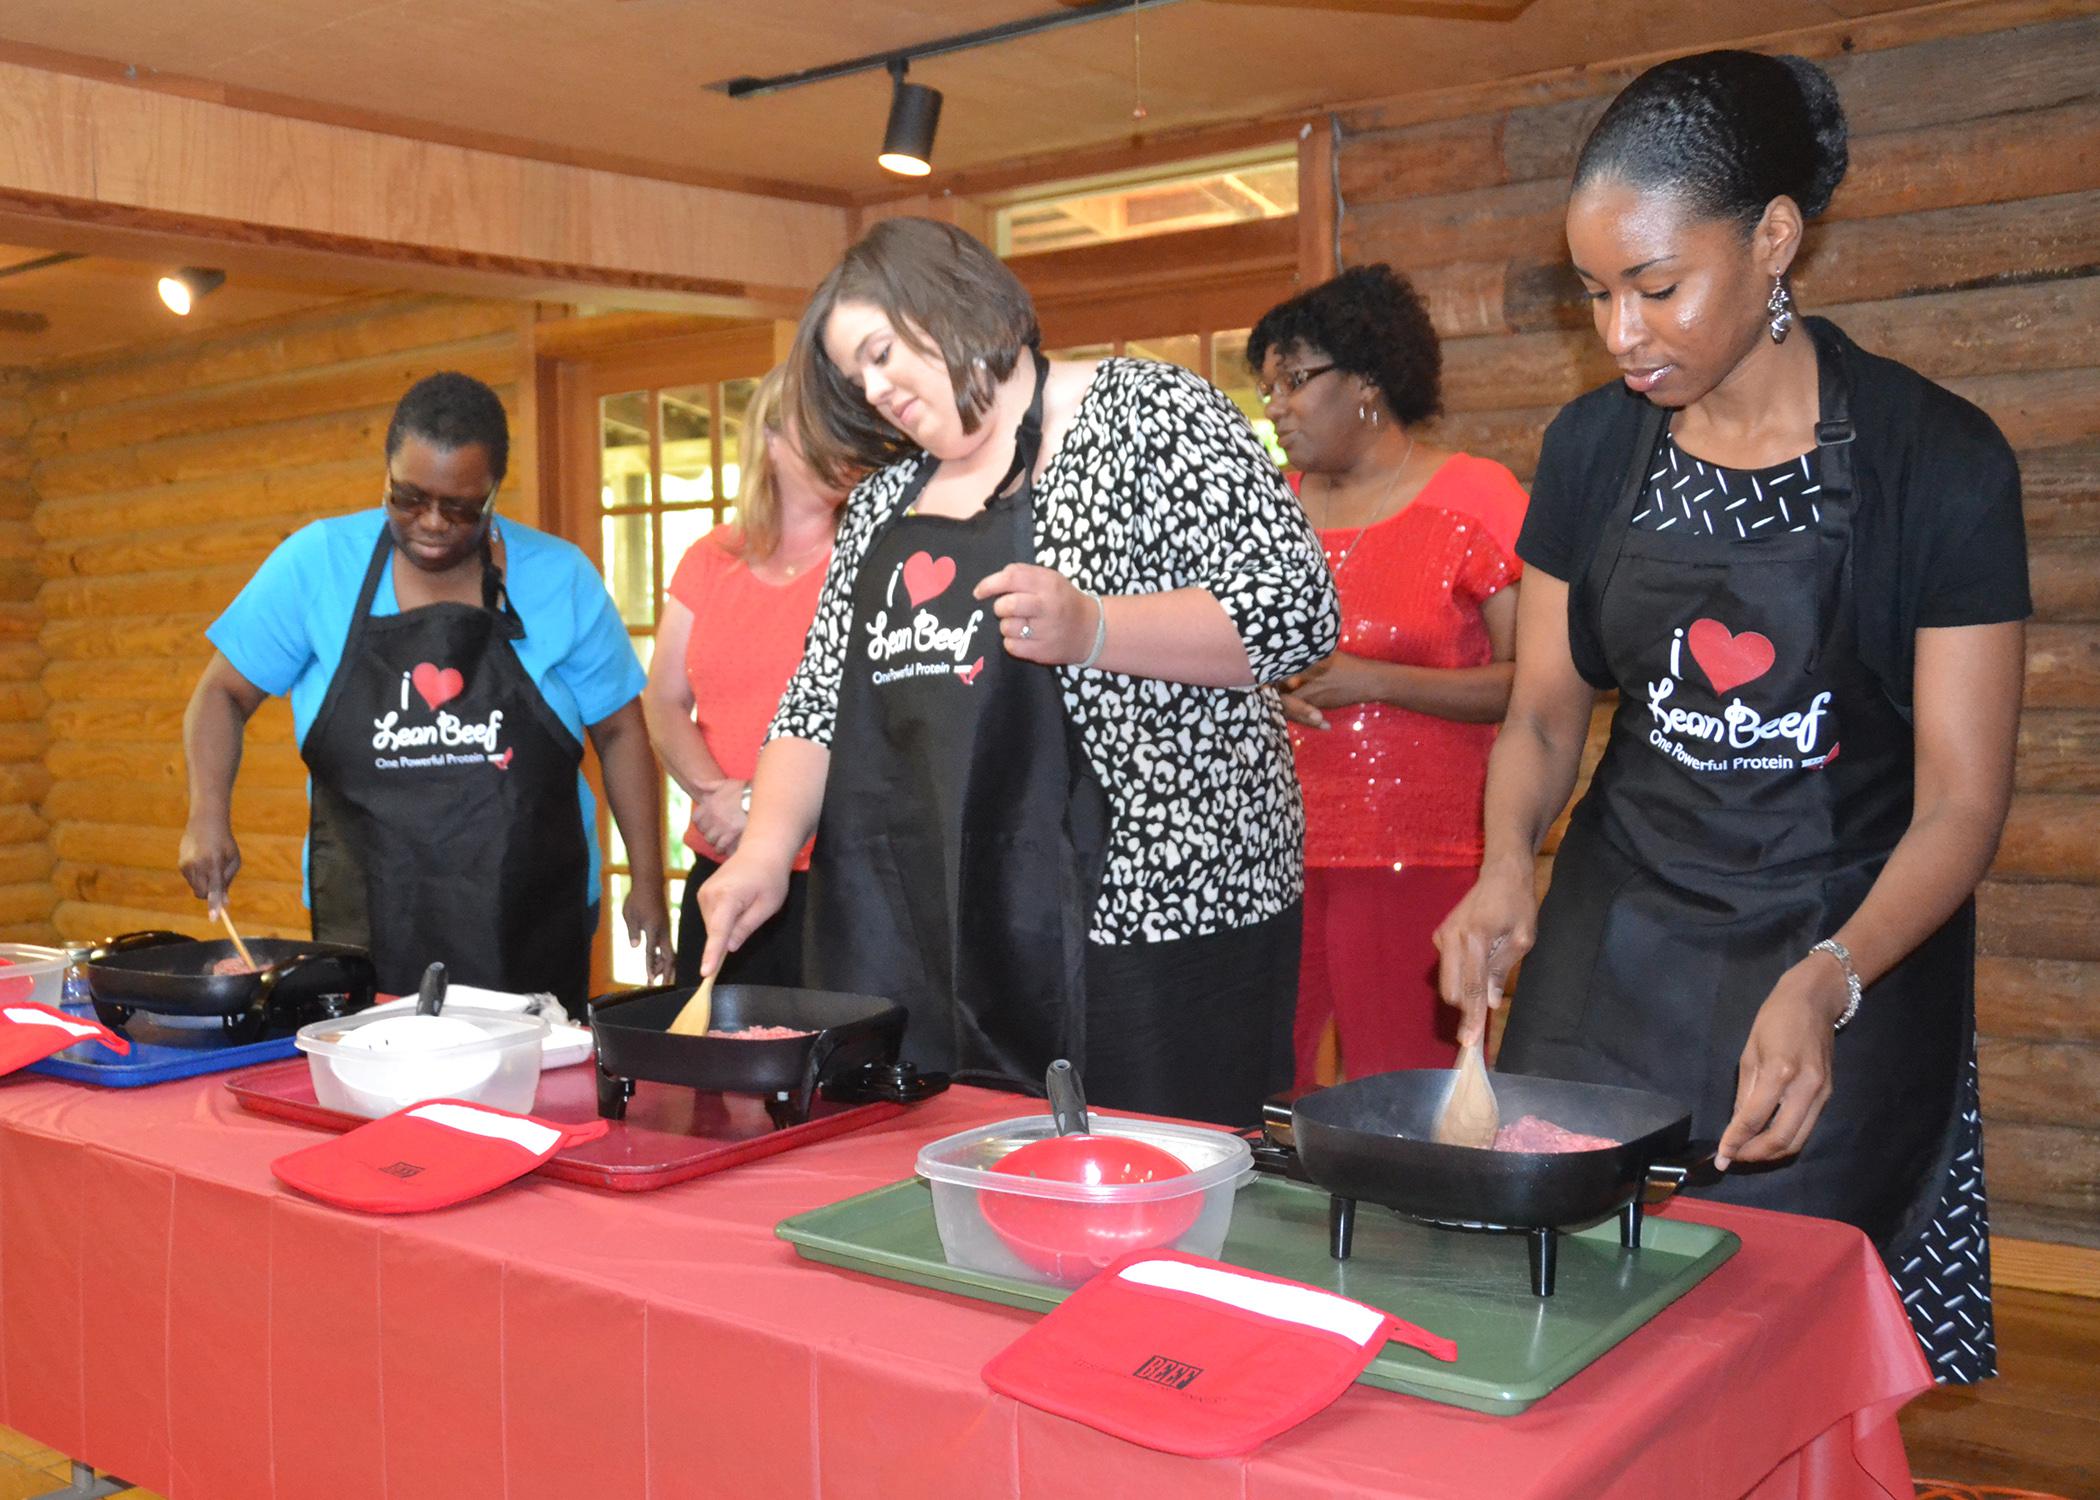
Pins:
x: 226, y: 918
x: 693, y: 1016
x: 1470, y: 1115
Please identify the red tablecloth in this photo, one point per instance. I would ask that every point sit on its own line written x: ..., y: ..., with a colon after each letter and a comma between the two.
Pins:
x: 170, y: 1313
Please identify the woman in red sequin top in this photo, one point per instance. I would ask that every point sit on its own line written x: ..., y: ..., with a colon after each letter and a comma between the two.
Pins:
x: 1392, y: 732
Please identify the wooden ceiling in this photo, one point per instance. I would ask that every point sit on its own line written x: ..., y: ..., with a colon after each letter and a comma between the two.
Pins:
x: 622, y: 82
x: 80, y: 307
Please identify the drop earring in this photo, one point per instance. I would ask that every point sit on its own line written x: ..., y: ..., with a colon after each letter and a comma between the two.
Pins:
x: 1780, y: 308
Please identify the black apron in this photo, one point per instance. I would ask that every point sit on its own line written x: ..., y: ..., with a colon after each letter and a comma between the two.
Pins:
x: 446, y: 822
x: 1756, y: 780
x: 961, y: 843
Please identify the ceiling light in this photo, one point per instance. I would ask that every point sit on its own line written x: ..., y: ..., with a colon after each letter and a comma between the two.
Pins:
x: 182, y: 290
x: 915, y: 112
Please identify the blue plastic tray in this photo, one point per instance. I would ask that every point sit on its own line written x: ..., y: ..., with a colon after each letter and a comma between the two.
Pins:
x: 159, y: 1054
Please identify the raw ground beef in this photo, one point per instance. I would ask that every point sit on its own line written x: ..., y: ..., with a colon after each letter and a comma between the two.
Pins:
x: 1537, y: 1135
x: 232, y: 964
x: 761, y: 1033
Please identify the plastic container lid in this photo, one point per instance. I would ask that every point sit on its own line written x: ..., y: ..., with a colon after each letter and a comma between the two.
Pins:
x: 1213, y: 1157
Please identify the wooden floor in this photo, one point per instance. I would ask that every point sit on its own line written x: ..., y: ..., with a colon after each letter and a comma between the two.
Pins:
x: 2036, y: 1427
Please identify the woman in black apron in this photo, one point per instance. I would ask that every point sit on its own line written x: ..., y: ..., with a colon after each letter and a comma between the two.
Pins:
x: 1057, y: 819
x: 446, y: 821
x: 1802, y: 569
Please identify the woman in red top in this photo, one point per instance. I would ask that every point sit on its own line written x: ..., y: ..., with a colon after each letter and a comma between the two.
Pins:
x: 1392, y: 731
x: 731, y: 634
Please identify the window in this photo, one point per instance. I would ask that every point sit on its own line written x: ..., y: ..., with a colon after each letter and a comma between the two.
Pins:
x: 667, y: 475
x: 1224, y: 190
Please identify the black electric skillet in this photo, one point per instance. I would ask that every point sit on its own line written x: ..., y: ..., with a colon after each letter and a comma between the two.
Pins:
x: 166, y: 973
x: 849, y: 1047
x: 1371, y: 1140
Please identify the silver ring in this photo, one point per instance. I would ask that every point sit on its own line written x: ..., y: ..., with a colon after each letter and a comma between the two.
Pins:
x: 1027, y: 631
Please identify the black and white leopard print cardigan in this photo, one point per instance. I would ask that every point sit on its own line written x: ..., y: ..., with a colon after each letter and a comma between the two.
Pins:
x: 1159, y: 484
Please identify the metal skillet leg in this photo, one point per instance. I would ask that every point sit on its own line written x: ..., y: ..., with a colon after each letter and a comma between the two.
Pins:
x: 1544, y: 1245
x: 1341, y: 1227
x: 1630, y: 1215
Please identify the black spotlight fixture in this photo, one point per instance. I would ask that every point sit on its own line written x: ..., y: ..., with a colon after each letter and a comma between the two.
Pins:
x: 181, y: 290
x: 915, y: 112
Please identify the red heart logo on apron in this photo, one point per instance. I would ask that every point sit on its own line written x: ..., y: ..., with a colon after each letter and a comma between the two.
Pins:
x: 436, y: 685
x: 1728, y: 660
x: 926, y: 576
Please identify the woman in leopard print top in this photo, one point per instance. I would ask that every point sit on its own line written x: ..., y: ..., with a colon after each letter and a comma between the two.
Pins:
x: 1159, y: 578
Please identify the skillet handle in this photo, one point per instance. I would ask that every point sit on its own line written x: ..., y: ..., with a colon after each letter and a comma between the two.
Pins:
x: 124, y: 942
x: 359, y: 974
x: 1694, y: 1164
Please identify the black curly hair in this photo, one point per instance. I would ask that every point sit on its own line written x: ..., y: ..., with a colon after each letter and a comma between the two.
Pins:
x: 449, y: 410
x: 1371, y: 322
x: 1726, y: 131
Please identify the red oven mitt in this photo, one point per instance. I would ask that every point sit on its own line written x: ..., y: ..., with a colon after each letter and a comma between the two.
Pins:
x: 30, y: 1033
x: 429, y: 1155
x: 1193, y: 1357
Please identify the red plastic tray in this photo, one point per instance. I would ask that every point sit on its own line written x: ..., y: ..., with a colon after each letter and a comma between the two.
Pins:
x: 670, y: 1134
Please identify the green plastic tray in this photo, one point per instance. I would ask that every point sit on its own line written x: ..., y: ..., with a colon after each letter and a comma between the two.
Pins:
x: 1513, y: 1347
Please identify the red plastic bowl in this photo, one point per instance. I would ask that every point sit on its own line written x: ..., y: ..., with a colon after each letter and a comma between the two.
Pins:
x: 1071, y: 1240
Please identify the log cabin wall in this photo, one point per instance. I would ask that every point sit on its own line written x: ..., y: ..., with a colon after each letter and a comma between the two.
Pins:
x: 26, y: 894
x: 161, y: 478
x: 1964, y: 242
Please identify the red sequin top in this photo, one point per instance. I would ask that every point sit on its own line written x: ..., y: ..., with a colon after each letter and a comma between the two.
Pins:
x: 1386, y: 785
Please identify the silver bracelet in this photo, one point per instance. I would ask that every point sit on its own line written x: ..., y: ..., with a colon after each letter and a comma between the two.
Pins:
x: 1843, y: 955
x: 1100, y: 629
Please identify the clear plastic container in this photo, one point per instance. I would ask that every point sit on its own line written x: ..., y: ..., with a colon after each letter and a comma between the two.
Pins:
x: 372, y: 1065
x: 32, y: 974
x: 1073, y: 1229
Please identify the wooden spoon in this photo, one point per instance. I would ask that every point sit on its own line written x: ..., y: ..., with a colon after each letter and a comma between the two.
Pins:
x: 226, y: 917
x: 1470, y: 1116
x: 693, y: 1016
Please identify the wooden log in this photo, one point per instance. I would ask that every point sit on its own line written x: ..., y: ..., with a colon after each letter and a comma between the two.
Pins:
x: 237, y: 543
x: 255, y: 902
x: 24, y: 781
x: 19, y: 620
x: 2041, y: 1083
x: 318, y: 392
x: 1510, y: 437
x: 21, y: 824
x: 2036, y: 999
x: 2065, y: 577
x: 30, y: 901
x: 23, y: 864
x: 258, y: 809
x: 1444, y: 156
x: 2061, y: 490
x: 18, y: 540
x: 109, y: 722
x: 21, y: 663
x: 1499, y: 371
x: 2049, y: 1229
x: 268, y: 761
x: 2059, y: 751
x: 17, y: 499
x: 2003, y: 159
x: 1950, y: 248
x: 177, y: 637
x: 145, y: 680
x: 2025, y: 920
x: 312, y: 491
x: 264, y: 857
x: 42, y: 934
x: 2063, y: 667
x: 23, y: 742
x: 2038, y: 410
x: 335, y: 438
x: 342, y: 333
x: 21, y: 702
x: 84, y: 922
x: 2043, y: 1166
x: 143, y: 593
x: 2050, y: 837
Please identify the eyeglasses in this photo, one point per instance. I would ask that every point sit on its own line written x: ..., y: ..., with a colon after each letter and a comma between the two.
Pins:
x: 1291, y: 383
x: 408, y: 502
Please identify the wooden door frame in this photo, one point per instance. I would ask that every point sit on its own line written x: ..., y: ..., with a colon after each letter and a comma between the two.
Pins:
x: 574, y: 366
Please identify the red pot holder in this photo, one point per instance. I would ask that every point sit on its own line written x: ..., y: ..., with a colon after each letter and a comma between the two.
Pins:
x: 1193, y: 1357
x: 430, y: 1155
x: 30, y: 1033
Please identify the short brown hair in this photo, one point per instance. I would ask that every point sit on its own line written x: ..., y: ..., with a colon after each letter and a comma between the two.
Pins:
x: 948, y: 297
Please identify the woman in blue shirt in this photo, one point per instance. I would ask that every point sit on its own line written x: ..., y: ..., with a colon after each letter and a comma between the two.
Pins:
x: 442, y: 671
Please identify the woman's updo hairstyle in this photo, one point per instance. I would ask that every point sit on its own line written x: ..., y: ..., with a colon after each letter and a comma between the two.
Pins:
x: 1727, y: 132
